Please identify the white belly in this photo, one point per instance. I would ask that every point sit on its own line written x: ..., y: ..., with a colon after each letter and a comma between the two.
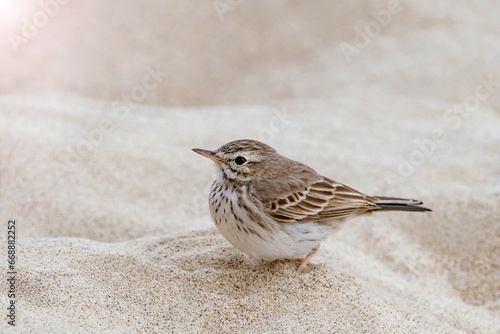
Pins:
x: 257, y: 234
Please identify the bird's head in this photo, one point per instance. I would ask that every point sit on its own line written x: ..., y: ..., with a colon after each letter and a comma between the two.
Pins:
x: 241, y: 159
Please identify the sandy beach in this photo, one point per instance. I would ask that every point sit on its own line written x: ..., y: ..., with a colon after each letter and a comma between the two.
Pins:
x: 99, y: 111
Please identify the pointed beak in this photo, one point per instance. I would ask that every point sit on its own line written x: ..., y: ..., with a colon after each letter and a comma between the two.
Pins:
x: 210, y: 155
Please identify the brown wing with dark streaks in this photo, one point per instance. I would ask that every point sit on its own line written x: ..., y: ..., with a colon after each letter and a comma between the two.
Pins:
x: 321, y: 200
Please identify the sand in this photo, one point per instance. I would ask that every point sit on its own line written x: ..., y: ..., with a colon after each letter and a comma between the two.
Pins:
x: 113, y: 229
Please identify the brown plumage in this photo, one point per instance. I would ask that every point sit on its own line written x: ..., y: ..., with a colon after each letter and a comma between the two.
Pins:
x: 282, y: 201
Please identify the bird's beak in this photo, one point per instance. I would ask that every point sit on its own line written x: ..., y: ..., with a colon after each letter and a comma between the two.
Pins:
x: 210, y: 155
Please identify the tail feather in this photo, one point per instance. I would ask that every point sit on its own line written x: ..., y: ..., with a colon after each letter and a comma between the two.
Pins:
x: 398, y: 204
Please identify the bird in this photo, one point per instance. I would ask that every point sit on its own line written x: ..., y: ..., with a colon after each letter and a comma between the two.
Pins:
x: 274, y: 208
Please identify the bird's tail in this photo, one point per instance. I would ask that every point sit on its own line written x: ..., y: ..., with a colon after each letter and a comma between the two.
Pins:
x: 398, y: 204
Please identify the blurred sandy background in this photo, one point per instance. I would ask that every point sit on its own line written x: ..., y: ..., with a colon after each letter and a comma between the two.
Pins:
x: 101, y: 102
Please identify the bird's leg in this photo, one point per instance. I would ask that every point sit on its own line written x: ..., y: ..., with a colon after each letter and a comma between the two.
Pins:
x: 307, y: 259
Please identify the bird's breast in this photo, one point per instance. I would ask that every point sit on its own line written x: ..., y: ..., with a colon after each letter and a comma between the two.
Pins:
x: 249, y: 229
x: 239, y: 220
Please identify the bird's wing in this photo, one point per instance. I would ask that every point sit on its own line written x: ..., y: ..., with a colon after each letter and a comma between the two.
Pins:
x: 319, y: 200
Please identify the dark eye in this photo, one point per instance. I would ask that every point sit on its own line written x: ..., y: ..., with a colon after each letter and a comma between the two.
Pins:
x: 240, y: 160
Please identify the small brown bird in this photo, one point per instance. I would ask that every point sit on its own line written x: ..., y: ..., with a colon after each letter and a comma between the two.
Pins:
x: 272, y: 207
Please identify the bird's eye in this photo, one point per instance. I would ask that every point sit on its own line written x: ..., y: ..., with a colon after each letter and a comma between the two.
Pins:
x: 240, y: 160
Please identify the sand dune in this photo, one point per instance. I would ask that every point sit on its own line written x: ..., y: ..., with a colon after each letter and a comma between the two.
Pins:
x: 113, y: 228
x: 196, y: 282
x: 395, y: 272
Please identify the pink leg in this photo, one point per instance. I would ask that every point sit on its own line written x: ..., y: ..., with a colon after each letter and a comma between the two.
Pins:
x: 307, y: 259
